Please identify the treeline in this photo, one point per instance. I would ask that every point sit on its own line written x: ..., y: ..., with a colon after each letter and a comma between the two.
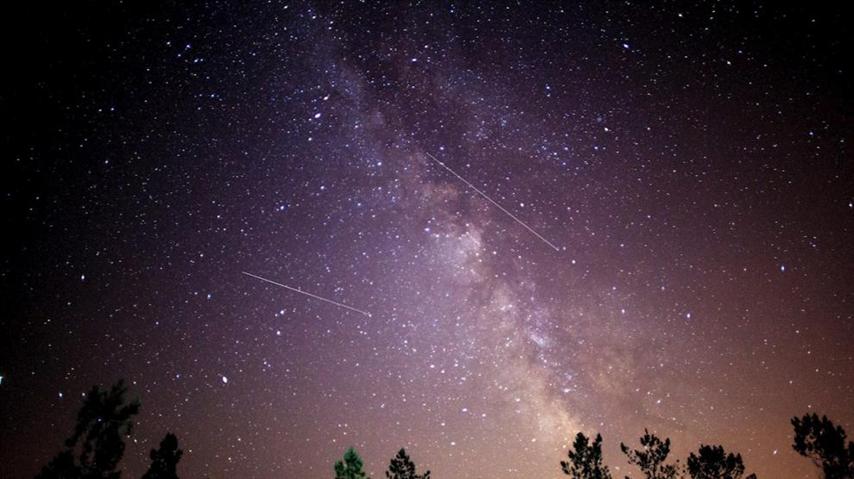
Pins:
x: 815, y: 438
x: 710, y: 462
x: 401, y: 467
x: 96, y: 446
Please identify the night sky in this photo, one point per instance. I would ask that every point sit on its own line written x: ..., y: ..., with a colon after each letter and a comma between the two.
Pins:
x: 690, y: 162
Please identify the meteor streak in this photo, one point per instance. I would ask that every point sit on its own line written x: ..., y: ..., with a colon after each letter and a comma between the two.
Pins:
x: 481, y: 193
x: 297, y: 290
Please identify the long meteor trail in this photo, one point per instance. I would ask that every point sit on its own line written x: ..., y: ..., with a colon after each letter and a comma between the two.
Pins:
x: 481, y: 193
x: 296, y: 290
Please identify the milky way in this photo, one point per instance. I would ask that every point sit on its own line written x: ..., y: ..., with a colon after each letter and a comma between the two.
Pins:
x: 656, y: 231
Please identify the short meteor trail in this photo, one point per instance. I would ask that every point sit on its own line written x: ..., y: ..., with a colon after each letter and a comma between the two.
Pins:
x: 296, y: 290
x: 481, y: 193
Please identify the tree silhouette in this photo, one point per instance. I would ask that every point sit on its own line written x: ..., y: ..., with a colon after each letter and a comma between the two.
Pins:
x: 164, y: 461
x: 62, y: 466
x: 585, y: 459
x: 401, y: 467
x: 102, y: 422
x: 715, y: 463
x: 350, y: 467
x: 825, y: 444
x: 651, y: 457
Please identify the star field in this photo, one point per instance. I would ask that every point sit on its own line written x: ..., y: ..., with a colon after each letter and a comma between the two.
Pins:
x: 689, y: 160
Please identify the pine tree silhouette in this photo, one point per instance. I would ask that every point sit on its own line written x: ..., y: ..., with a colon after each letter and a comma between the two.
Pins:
x: 164, y: 461
x: 350, y: 467
x: 825, y: 444
x: 62, y: 466
x: 651, y: 457
x: 102, y: 422
x: 401, y: 467
x: 585, y: 459
x: 713, y: 462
